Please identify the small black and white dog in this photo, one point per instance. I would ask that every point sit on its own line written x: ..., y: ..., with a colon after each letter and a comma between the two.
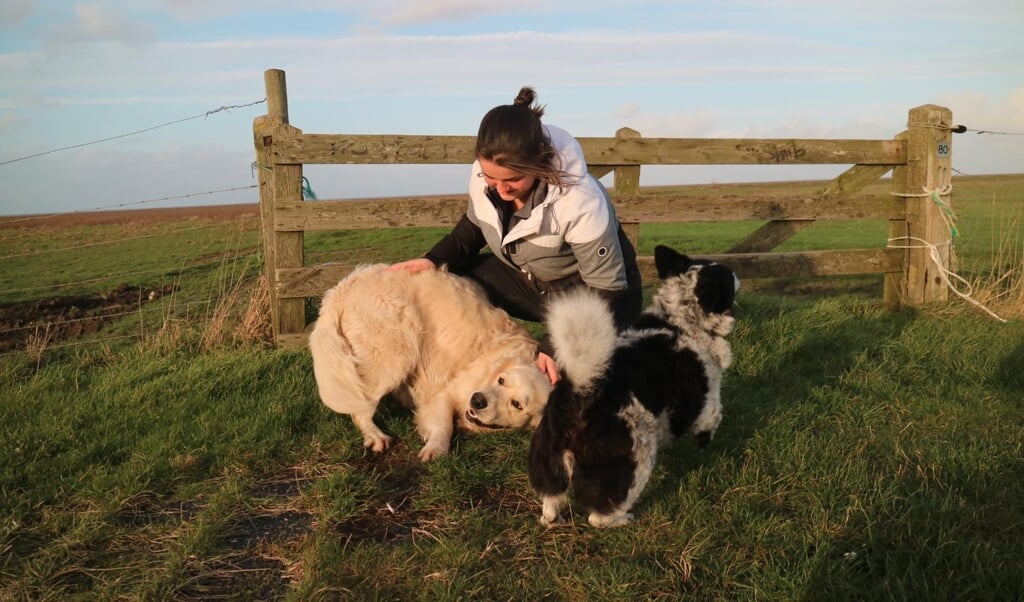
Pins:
x: 625, y: 393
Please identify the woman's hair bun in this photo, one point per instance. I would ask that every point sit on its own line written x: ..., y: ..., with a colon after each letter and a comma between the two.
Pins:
x: 526, y: 96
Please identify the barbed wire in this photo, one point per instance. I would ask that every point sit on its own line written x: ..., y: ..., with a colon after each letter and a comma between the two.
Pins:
x: 187, y: 305
x: 118, y: 136
x: 175, y: 305
x: 45, y: 327
x: 139, y: 310
x: 960, y: 129
x: 91, y: 341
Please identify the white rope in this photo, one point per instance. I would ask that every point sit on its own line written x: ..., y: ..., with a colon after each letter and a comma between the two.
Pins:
x: 946, y: 274
x: 944, y: 191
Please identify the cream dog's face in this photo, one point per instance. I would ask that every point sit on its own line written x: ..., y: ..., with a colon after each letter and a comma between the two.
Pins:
x: 513, y: 398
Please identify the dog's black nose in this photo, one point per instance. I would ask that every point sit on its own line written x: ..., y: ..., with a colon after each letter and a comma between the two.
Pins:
x: 478, y: 401
x: 702, y: 439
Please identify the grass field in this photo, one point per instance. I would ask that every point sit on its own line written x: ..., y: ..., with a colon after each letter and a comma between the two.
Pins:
x: 168, y: 454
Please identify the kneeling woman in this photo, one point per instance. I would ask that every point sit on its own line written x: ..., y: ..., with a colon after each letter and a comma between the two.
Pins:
x: 549, y: 224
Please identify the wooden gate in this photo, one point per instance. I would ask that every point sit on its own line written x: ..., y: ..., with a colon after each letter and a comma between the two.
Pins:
x: 920, y: 159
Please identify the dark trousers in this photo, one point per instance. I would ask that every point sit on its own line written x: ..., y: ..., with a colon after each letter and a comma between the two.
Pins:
x: 511, y: 290
x: 506, y: 287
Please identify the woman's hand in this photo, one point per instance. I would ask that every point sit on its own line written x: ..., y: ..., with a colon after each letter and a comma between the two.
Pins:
x: 547, y: 365
x: 420, y: 264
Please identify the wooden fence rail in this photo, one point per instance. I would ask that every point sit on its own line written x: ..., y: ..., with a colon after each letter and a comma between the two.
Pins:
x: 920, y: 159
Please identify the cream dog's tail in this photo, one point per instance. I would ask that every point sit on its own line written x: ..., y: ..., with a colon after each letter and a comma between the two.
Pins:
x: 582, y: 331
x: 337, y: 378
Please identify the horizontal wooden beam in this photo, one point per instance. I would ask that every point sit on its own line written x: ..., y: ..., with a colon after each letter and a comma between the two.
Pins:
x: 315, y: 280
x: 740, y: 151
x: 311, y: 281
x: 803, y: 263
x: 365, y: 214
x: 371, y: 149
x: 445, y: 211
x: 705, y: 207
x: 600, y: 152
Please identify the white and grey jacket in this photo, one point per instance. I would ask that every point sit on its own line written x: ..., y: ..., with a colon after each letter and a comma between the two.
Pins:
x: 568, y: 233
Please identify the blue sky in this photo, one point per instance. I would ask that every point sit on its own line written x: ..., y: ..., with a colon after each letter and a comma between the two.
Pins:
x: 71, y: 73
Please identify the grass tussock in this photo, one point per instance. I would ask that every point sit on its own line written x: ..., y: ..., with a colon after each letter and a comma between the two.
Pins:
x: 1002, y: 288
x: 241, y: 312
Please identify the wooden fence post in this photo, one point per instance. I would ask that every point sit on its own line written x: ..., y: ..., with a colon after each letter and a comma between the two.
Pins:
x: 925, y: 184
x: 279, y: 184
x: 894, y: 287
x: 627, y: 177
x: 627, y: 183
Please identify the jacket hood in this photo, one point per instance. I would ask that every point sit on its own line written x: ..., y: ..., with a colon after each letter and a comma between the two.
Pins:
x: 570, y: 154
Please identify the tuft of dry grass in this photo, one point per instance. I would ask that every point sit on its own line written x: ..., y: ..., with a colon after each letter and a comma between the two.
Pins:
x: 238, y: 312
x: 37, y: 344
x: 255, y: 326
x: 1001, y: 290
x: 240, y: 315
x: 241, y: 303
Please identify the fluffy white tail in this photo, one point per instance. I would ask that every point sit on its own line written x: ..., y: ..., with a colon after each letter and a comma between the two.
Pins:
x: 341, y: 387
x: 582, y: 331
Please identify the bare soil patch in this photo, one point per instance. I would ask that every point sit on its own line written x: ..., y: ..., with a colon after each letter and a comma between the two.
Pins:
x: 64, y: 318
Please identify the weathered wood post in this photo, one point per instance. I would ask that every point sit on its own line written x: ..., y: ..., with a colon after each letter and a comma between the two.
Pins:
x: 279, y: 184
x: 925, y: 184
x: 627, y: 183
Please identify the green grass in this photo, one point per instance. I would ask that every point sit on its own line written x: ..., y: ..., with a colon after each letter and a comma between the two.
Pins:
x: 44, y: 257
x: 865, y: 454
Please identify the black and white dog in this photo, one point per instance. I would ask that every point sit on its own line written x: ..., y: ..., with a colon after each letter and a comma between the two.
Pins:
x: 625, y: 393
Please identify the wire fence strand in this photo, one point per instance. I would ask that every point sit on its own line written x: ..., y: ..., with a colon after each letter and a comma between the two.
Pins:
x: 127, y: 134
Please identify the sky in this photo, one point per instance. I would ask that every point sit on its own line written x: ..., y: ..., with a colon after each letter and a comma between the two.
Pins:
x: 135, y: 87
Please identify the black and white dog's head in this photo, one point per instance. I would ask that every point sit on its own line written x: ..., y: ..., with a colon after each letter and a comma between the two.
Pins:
x: 696, y: 295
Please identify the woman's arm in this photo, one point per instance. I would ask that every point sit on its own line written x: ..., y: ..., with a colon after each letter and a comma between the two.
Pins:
x: 458, y: 246
x: 454, y: 250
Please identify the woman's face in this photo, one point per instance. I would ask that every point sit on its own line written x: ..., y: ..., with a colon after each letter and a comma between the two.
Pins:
x: 510, y: 184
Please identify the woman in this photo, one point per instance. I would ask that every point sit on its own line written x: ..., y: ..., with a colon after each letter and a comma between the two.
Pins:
x: 549, y: 224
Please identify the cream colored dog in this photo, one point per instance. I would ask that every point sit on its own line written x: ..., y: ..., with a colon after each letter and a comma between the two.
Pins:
x: 434, y: 340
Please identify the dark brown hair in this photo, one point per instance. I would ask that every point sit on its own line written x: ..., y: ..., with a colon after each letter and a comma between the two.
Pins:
x: 512, y: 136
